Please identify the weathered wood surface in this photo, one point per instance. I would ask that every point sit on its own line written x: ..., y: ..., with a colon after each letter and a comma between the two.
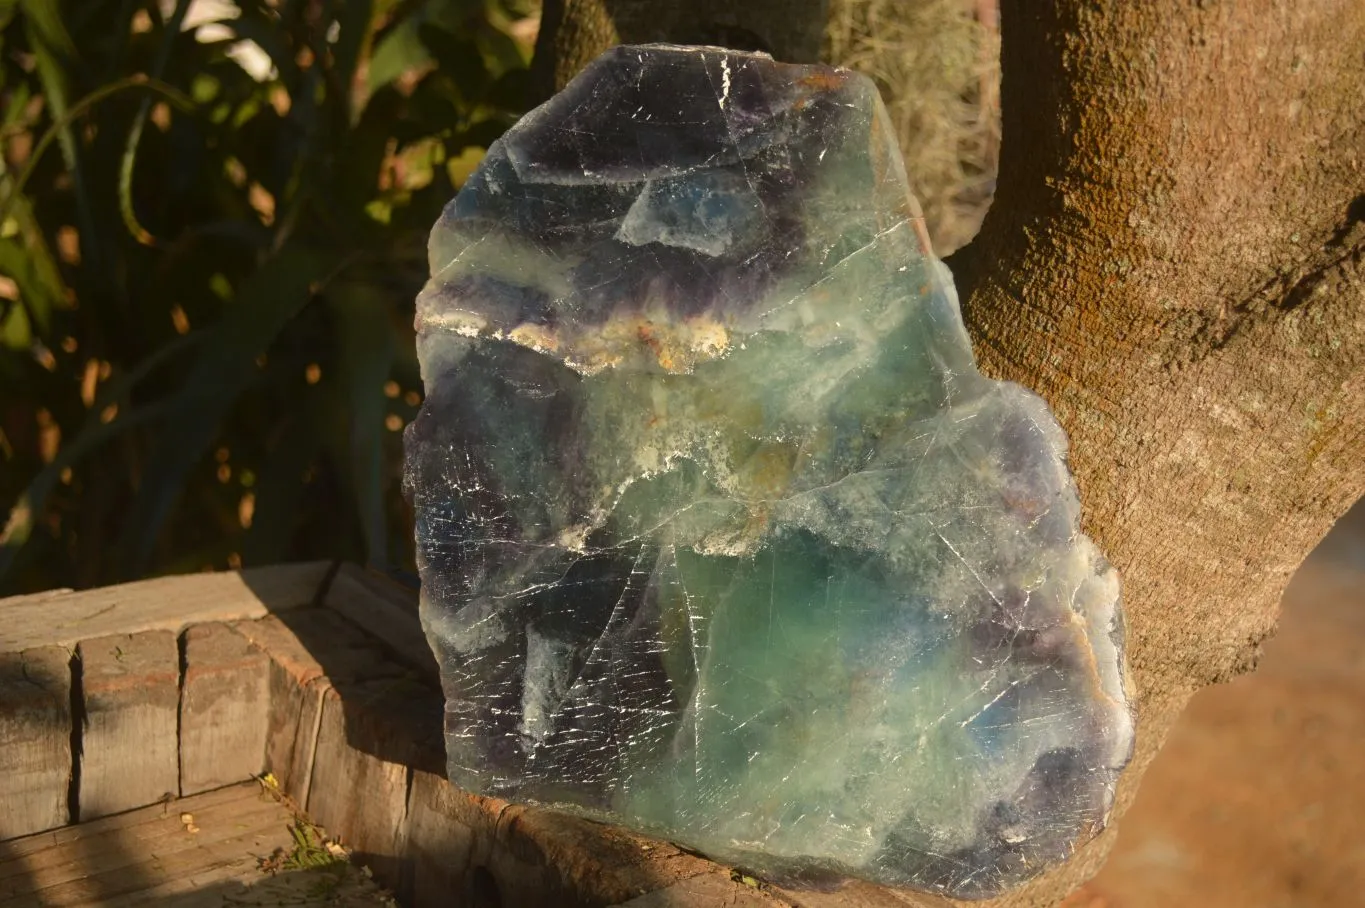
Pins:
x: 319, y: 657
x: 224, y: 708
x: 385, y: 610
x: 64, y: 618
x: 373, y: 823
x: 296, y: 685
x: 193, y: 853
x: 35, y: 740
x: 130, y: 692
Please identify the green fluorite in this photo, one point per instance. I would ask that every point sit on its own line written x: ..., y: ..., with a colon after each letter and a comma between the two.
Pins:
x: 722, y: 535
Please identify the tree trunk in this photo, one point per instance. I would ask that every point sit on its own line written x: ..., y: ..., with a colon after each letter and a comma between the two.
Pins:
x: 1175, y: 260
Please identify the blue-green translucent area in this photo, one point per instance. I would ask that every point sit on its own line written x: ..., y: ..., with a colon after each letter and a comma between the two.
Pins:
x: 723, y: 537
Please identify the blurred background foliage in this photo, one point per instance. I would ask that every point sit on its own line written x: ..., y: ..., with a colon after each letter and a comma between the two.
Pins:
x: 213, y: 221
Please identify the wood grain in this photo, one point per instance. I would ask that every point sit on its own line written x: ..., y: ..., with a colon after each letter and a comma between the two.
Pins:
x: 356, y: 795
x: 224, y: 708
x: 315, y: 650
x: 130, y: 685
x: 385, y: 610
x: 153, y: 856
x: 65, y: 618
x: 35, y: 740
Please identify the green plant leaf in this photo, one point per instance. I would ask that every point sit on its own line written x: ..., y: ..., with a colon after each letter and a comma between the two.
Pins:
x: 458, y: 58
x: 44, y: 17
x: 125, y: 183
x: 7, y: 11
x: 92, y: 436
x: 400, y: 48
x: 353, y: 22
x: 395, y: 53
x: 27, y: 259
x: 61, y: 126
x: 279, y: 490
x: 53, y: 54
x: 505, y: 53
x: 16, y: 332
x: 246, y: 195
x: 365, y: 348
x: 15, y: 111
x: 263, y: 305
x: 30, y: 504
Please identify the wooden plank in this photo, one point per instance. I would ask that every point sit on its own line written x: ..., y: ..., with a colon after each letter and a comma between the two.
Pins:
x: 860, y: 894
x: 361, y: 720
x: 130, y: 686
x: 353, y: 729
x: 152, y: 857
x: 584, y: 861
x: 319, y: 643
x: 380, y: 732
x: 37, y: 598
x: 239, y: 885
x: 452, y: 853
x: 377, y: 736
x: 440, y: 845
x: 139, y: 849
x: 372, y: 825
x: 35, y: 740
x: 296, y: 680
x: 385, y: 610
x: 117, y: 825
x: 224, y: 708
x: 298, y: 779
x: 298, y: 683
x: 166, y: 603
x: 311, y: 651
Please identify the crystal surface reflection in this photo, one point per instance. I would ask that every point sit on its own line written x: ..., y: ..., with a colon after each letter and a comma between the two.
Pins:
x: 722, y: 535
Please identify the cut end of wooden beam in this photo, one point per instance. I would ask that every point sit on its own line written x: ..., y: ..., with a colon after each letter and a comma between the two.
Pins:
x: 35, y: 740
x: 129, y: 758
x: 224, y: 708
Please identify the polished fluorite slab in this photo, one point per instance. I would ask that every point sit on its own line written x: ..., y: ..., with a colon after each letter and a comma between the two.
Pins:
x: 722, y: 535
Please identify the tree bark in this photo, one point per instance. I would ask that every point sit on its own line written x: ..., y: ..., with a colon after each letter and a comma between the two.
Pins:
x: 1175, y: 260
